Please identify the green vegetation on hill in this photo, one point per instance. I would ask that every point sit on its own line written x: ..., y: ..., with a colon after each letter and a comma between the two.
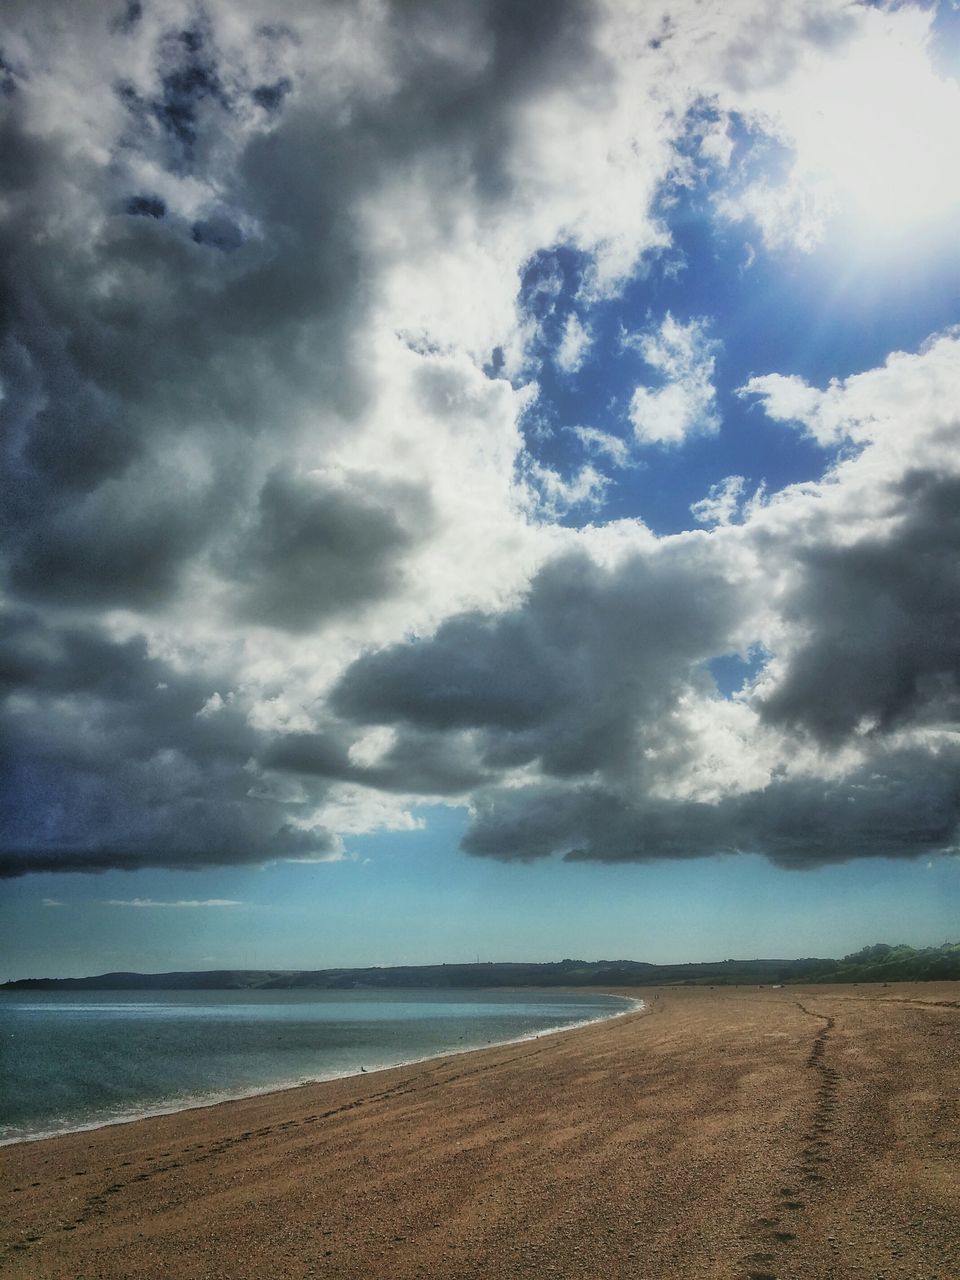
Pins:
x: 879, y: 963
x: 884, y: 963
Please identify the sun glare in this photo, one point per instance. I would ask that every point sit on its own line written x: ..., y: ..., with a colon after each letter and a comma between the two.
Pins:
x: 877, y: 134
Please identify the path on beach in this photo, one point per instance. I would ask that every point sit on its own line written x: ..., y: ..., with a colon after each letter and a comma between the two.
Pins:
x: 798, y: 1134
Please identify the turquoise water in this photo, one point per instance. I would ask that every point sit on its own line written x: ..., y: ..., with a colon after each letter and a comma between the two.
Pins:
x: 77, y: 1059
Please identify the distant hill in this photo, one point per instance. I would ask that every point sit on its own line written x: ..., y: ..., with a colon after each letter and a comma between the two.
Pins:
x: 879, y: 963
x: 884, y: 963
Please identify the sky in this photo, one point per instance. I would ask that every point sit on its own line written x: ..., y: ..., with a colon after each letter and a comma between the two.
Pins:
x: 480, y: 480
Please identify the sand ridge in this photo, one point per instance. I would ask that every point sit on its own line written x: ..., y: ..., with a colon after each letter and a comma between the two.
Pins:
x: 737, y: 1133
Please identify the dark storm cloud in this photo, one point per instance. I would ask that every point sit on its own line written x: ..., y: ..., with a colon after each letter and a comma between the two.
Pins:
x: 182, y: 341
x: 124, y: 334
x: 116, y: 759
x: 188, y: 302
x: 319, y: 546
x: 270, y: 96
x: 82, y: 695
x: 191, y: 95
x: 906, y: 804
x: 218, y: 232
x: 428, y: 764
x: 591, y: 823
x: 146, y: 207
x: 571, y: 677
x: 224, y: 838
x: 111, y: 547
x: 122, y: 337
x: 477, y: 672
x: 73, y: 660
x: 585, y: 677
x: 126, y: 22
x: 158, y: 358
x: 323, y: 755
x: 419, y: 763
x: 471, y: 113
x: 63, y: 432
x: 881, y: 624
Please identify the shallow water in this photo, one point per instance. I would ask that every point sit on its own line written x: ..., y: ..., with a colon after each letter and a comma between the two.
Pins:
x: 78, y: 1059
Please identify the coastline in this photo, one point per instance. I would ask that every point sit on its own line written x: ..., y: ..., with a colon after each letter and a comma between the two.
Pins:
x: 205, y: 1101
x: 808, y: 1132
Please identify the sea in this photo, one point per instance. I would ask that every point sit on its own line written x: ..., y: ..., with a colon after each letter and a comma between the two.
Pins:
x: 74, y: 1060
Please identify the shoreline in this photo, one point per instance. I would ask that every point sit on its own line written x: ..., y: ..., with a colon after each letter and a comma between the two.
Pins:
x: 793, y: 1134
x: 268, y: 1090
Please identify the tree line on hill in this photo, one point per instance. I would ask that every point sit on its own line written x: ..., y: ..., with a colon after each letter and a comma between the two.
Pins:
x: 878, y: 963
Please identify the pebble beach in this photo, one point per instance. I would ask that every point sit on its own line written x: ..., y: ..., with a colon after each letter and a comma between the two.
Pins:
x: 805, y: 1133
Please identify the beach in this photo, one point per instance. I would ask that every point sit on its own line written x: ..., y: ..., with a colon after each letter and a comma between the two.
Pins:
x: 747, y: 1134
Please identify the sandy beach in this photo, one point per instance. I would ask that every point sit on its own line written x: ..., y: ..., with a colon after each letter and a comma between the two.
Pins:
x: 796, y: 1133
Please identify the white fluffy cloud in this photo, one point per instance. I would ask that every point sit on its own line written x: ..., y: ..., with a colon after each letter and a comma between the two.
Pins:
x: 682, y: 358
x: 873, y: 407
x: 605, y: 445
x: 574, y: 345
x: 722, y: 503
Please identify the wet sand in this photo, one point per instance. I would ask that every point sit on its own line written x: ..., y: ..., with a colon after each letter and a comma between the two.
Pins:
x: 803, y: 1134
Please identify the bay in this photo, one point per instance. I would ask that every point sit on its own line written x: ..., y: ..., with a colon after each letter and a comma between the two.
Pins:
x: 79, y: 1059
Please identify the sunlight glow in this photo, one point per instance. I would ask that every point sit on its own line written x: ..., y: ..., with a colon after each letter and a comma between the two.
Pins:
x: 876, y: 137
x: 886, y: 133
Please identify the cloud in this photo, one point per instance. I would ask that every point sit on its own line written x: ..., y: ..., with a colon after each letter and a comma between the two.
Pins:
x: 906, y: 808
x: 685, y: 402
x: 722, y: 503
x: 412, y: 762
x: 278, y: 564
x: 591, y: 703
x: 183, y: 902
x: 568, y: 679
x: 558, y: 495
x: 872, y: 405
x: 880, y: 619
x: 606, y: 445
x: 323, y: 544
x: 787, y: 398
x: 574, y: 345
x: 869, y: 607
x: 866, y: 122
x: 114, y: 766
